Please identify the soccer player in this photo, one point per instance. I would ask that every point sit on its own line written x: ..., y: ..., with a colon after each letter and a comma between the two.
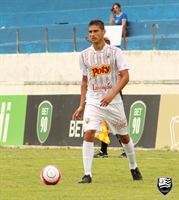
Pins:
x: 100, y: 98
x: 103, y: 151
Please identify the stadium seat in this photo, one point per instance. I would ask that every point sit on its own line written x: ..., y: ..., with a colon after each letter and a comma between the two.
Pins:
x: 152, y: 24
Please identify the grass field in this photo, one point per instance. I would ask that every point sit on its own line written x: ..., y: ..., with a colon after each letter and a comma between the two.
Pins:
x: 20, y: 175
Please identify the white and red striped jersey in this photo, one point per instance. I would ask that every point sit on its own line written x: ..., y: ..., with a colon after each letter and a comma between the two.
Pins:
x: 102, y: 68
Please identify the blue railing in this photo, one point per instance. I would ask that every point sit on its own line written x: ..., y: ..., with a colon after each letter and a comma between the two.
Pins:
x: 72, y: 39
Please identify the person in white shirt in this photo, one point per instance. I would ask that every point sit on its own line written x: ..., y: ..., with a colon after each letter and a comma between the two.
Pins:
x: 102, y: 153
x: 100, y: 99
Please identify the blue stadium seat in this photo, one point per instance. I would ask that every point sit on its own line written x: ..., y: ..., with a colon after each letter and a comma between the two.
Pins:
x: 31, y: 18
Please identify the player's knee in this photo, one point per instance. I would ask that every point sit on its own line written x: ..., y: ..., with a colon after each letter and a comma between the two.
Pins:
x: 124, y: 139
x: 89, y: 135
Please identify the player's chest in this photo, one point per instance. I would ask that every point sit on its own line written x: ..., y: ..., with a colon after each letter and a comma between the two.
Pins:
x: 100, y: 61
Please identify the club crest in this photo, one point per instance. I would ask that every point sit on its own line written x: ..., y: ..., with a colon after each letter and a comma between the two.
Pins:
x: 108, y: 55
x: 164, y: 185
x: 87, y: 120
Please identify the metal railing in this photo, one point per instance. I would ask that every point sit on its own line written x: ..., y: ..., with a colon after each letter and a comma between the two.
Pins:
x: 58, y: 39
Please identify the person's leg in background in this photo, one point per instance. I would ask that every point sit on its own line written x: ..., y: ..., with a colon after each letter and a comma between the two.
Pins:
x: 103, y: 151
x: 123, y: 154
x: 124, y: 34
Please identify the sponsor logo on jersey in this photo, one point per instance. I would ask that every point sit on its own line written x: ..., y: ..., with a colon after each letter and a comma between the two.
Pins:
x: 101, y: 70
x: 102, y: 87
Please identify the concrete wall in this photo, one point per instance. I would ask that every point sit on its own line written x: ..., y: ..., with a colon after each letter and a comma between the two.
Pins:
x: 151, y: 72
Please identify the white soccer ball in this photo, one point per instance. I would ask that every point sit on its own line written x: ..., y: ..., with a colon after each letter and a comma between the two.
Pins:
x: 50, y: 175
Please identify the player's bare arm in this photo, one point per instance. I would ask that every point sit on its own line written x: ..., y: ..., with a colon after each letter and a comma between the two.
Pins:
x: 78, y: 114
x: 123, y: 80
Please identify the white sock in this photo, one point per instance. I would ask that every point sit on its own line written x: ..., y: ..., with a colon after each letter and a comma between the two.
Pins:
x: 129, y: 149
x: 88, y: 152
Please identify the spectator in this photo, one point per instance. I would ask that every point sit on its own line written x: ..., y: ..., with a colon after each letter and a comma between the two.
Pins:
x: 119, y: 18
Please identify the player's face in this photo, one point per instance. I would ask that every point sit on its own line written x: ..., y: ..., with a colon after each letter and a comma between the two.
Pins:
x: 96, y: 34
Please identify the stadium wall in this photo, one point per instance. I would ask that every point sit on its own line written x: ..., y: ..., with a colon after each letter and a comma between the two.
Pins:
x: 39, y: 93
x: 151, y: 72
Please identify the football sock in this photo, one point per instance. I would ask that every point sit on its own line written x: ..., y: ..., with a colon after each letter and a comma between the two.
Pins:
x: 104, y: 147
x: 129, y: 149
x: 88, y: 151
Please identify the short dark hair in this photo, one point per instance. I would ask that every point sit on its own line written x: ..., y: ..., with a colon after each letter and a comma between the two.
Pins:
x: 97, y: 22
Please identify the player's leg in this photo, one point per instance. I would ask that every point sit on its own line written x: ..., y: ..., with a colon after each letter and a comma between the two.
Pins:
x: 92, y: 121
x: 129, y: 149
x: 123, y: 154
x: 117, y: 124
x: 88, y: 151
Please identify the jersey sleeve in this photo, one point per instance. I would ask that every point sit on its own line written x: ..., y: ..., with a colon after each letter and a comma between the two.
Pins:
x: 82, y: 65
x: 120, y: 60
x: 124, y: 16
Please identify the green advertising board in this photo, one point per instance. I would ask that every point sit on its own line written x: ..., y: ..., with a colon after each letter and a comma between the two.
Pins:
x: 137, y: 120
x: 44, y: 120
x: 12, y: 119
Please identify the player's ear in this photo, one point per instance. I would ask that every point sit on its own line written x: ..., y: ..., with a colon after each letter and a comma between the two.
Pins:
x: 104, y: 31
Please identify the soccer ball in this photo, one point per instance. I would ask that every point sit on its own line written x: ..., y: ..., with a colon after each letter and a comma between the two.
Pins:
x: 50, y: 175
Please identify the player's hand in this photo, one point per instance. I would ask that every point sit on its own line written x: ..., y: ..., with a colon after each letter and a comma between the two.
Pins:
x: 106, y: 100
x: 78, y: 114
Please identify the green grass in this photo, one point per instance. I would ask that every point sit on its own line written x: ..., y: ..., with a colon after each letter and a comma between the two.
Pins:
x: 20, y: 175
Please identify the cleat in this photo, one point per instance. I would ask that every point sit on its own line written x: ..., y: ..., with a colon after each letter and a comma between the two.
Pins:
x: 136, y: 174
x: 123, y: 155
x: 100, y: 154
x: 86, y: 179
